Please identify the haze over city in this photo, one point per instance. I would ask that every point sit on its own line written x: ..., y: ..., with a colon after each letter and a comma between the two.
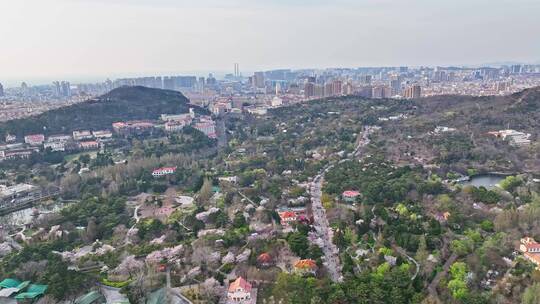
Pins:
x: 91, y: 40
x: 269, y: 151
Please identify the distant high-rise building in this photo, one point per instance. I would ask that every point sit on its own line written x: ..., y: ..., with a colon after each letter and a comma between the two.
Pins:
x: 347, y: 89
x: 366, y: 79
x: 309, y: 89
x: 56, y: 88
x: 278, y: 88
x: 501, y: 86
x: 277, y: 74
x: 66, y: 89
x: 381, y: 92
x: 236, y: 70
x: 211, y: 80
x: 318, y: 90
x: 440, y: 76
x: 365, y: 91
x: 328, y: 89
x: 414, y: 91
x: 336, y: 87
x: 258, y: 80
x: 168, y: 83
x: 61, y: 89
x: 158, y: 82
x: 1, y: 90
x: 201, y: 84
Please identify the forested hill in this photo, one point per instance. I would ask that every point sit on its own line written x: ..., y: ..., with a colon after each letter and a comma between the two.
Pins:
x: 125, y: 103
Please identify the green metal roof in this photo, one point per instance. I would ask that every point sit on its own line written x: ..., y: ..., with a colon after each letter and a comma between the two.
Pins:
x: 32, y: 292
x: 92, y: 297
x: 156, y: 297
x: 37, y: 288
x: 10, y: 283
x: 23, y: 285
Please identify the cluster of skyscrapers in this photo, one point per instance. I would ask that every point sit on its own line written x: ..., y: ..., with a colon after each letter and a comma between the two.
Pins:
x: 62, y: 89
x: 279, y: 87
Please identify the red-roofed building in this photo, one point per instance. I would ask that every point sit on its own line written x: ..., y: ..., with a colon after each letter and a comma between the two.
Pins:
x: 239, y: 292
x: 350, y: 196
x: 34, y: 139
x: 264, y: 260
x: 306, y: 266
x: 528, y: 244
x: 163, y: 171
x: 530, y: 249
x: 290, y: 215
x: 287, y: 217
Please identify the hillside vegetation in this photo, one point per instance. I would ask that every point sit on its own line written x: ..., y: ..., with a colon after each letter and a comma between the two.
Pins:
x: 125, y: 103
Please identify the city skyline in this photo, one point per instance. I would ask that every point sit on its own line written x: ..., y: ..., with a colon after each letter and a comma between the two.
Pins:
x: 89, y: 40
x: 221, y: 74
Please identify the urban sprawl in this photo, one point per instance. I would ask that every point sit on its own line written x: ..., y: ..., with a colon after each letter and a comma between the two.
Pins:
x: 274, y: 88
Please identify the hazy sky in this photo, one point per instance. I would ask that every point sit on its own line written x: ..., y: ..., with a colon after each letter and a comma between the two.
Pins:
x: 108, y: 38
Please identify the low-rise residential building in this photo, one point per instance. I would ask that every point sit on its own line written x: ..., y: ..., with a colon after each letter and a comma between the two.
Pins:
x: 82, y: 135
x: 137, y: 127
x: 288, y: 216
x: 264, y: 260
x: 55, y: 146
x: 17, y: 153
x: 11, y: 138
x: 58, y: 138
x: 256, y: 110
x: 89, y: 145
x: 188, y: 117
x: 174, y: 126
x: 10, y: 193
x: 514, y: 138
x: 221, y: 108
x: 530, y: 249
x: 239, y: 292
x: 57, y: 142
x: 163, y: 171
x: 34, y: 139
x: 208, y: 127
x: 442, y: 129
x: 307, y: 266
x: 350, y: 196
x: 102, y: 134
x: 228, y: 179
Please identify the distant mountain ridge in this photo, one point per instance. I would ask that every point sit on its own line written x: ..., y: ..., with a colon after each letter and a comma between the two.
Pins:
x: 124, y: 103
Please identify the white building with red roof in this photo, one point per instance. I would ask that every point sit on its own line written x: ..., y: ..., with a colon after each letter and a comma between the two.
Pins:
x: 163, y: 171
x: 350, y: 195
x: 290, y: 215
x: 34, y: 139
x: 240, y: 292
x: 287, y: 217
x: 530, y: 249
